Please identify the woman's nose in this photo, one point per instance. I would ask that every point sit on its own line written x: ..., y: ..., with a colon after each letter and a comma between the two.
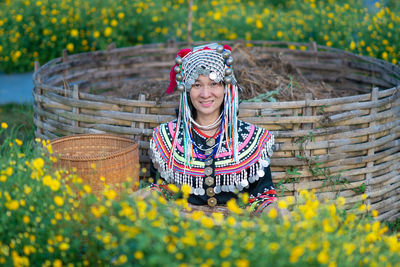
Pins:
x: 205, y: 91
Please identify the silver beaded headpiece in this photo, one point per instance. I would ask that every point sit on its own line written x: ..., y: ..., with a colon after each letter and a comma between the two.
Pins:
x: 211, y: 60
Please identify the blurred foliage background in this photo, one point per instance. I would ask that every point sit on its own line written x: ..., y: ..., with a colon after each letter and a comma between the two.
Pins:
x: 38, y: 30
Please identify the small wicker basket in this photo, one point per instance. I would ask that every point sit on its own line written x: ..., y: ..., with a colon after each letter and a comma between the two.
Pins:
x: 94, y: 156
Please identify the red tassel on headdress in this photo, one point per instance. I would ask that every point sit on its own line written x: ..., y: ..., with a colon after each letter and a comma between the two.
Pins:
x: 172, y: 81
x: 228, y: 47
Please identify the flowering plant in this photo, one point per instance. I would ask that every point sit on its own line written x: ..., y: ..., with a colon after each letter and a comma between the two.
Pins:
x: 50, y: 217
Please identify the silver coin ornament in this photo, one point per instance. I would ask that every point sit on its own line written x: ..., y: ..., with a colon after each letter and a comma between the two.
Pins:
x: 219, y: 49
x: 201, y: 191
x: 224, y: 188
x: 178, y: 60
x: 229, y: 61
x: 226, y: 54
x: 212, y: 76
x: 228, y: 72
x: 217, y: 189
x: 228, y: 79
x: 244, y: 183
x: 264, y: 163
x: 196, y: 191
x: 231, y: 188
x: 178, y: 77
x: 177, y: 69
x: 261, y: 173
x: 180, y: 87
x: 251, y: 179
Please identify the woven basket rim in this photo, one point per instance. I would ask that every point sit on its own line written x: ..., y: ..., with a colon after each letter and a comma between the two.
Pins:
x: 133, y: 146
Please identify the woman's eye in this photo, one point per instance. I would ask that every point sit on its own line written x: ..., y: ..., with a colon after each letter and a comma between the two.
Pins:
x: 214, y: 84
x: 197, y: 85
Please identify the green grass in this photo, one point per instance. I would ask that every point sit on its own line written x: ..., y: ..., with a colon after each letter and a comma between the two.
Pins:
x: 19, y: 118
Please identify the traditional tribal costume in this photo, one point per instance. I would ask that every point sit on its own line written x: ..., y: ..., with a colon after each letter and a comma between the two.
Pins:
x: 235, y: 159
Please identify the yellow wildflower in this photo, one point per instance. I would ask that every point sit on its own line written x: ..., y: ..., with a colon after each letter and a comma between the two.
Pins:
x: 323, y: 257
x: 233, y: 206
x: 18, y: 142
x: 74, y: 33
x: 58, y: 200
x: 70, y: 47
x: 110, y: 194
x: 207, y: 222
x: 296, y: 254
x: 138, y: 255
x: 38, y: 163
x: 242, y: 263
x: 64, y: 246
x: 107, y: 31
x: 273, y: 213
x: 4, y: 125
x: 12, y: 205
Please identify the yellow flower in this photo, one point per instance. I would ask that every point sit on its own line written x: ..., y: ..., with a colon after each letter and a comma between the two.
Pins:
x: 57, y: 263
x: 340, y: 201
x: 25, y: 219
x: 274, y: 246
x: 9, y: 171
x: 107, y: 31
x: 38, y: 163
x: 110, y: 194
x: 259, y: 24
x: 173, y: 188
x: 74, y: 33
x: 59, y: 201
x: 349, y: 248
x: 18, y: 18
x: 279, y: 34
x: 296, y: 254
x: 138, y: 255
x: 64, y: 246
x: 18, y: 142
x: 282, y: 204
x: 4, y: 125
x: 12, y: 205
x: 242, y: 263
x: 54, y: 185
x: 185, y: 190
x: 70, y: 47
x: 207, y: 222
x: 96, y: 34
x: 87, y: 189
x: 114, y: 23
x: 352, y: 45
x: 233, y: 206
x: 375, y: 213
x: 27, y: 190
x: 273, y: 213
x: 3, y: 178
x: 323, y: 257
x: 121, y: 15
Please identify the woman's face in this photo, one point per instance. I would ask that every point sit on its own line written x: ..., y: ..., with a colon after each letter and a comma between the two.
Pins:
x: 207, y: 97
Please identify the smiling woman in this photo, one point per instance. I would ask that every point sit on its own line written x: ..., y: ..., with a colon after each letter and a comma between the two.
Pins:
x: 207, y: 147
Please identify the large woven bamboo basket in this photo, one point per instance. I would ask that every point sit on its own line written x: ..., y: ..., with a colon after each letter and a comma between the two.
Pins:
x: 99, y: 159
x: 343, y: 146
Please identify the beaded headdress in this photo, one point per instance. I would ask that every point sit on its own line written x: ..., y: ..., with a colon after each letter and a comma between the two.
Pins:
x: 215, y: 61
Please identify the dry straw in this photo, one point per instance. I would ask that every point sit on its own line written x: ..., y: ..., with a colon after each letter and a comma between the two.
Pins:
x: 343, y: 146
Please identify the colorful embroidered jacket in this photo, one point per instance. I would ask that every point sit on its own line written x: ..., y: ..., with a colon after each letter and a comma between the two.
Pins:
x: 218, y: 179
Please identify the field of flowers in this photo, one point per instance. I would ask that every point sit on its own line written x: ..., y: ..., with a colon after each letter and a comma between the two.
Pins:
x: 50, y: 217
x: 38, y: 30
